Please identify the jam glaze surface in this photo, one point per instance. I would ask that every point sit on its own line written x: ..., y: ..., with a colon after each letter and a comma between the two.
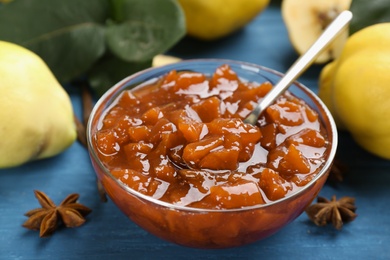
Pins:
x: 182, y: 140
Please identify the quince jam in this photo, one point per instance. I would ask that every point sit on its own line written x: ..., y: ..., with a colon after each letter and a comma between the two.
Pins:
x: 182, y: 140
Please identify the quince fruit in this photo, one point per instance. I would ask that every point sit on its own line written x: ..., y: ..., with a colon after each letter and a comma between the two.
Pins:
x: 35, y: 111
x: 162, y: 59
x: 213, y: 19
x: 356, y: 89
x: 306, y: 20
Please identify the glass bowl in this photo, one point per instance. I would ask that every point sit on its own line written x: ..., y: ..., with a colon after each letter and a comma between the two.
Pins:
x: 213, y: 228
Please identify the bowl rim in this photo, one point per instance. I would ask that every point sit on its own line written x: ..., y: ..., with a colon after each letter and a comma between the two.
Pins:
x: 321, y: 106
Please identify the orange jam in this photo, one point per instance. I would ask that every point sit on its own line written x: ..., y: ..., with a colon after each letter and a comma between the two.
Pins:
x: 182, y: 140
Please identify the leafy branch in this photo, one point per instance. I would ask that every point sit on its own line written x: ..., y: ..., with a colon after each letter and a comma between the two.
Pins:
x: 104, y: 40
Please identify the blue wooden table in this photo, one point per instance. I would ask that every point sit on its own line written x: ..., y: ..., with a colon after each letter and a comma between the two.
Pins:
x: 108, y: 234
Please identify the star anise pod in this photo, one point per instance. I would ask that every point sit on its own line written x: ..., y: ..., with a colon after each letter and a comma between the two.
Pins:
x: 49, y: 216
x: 332, y: 211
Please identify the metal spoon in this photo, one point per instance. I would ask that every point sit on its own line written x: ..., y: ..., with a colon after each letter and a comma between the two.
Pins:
x: 301, y: 64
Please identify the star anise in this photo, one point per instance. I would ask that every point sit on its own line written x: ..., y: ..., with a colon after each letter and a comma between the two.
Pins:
x: 332, y: 211
x: 49, y: 216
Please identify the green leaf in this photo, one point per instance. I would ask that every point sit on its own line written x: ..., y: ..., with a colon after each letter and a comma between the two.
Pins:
x: 368, y: 12
x: 110, y: 70
x: 67, y: 54
x: 68, y: 35
x: 143, y: 29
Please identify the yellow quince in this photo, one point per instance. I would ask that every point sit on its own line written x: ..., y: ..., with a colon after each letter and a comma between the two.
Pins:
x: 213, y: 19
x: 36, y: 113
x: 356, y: 88
x: 306, y: 20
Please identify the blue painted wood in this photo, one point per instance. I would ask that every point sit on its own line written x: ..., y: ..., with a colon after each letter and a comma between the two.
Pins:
x: 108, y: 234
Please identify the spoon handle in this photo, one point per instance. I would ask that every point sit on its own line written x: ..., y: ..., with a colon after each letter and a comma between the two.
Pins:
x: 301, y: 64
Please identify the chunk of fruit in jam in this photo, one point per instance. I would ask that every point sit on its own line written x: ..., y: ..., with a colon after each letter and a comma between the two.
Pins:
x: 288, y: 160
x: 224, y: 145
x: 285, y: 113
x: 191, y: 129
x: 208, y: 109
x: 235, y: 195
x: 273, y: 185
x: 223, y: 77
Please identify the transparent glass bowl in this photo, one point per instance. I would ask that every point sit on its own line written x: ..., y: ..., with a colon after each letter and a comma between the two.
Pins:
x: 204, y: 228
